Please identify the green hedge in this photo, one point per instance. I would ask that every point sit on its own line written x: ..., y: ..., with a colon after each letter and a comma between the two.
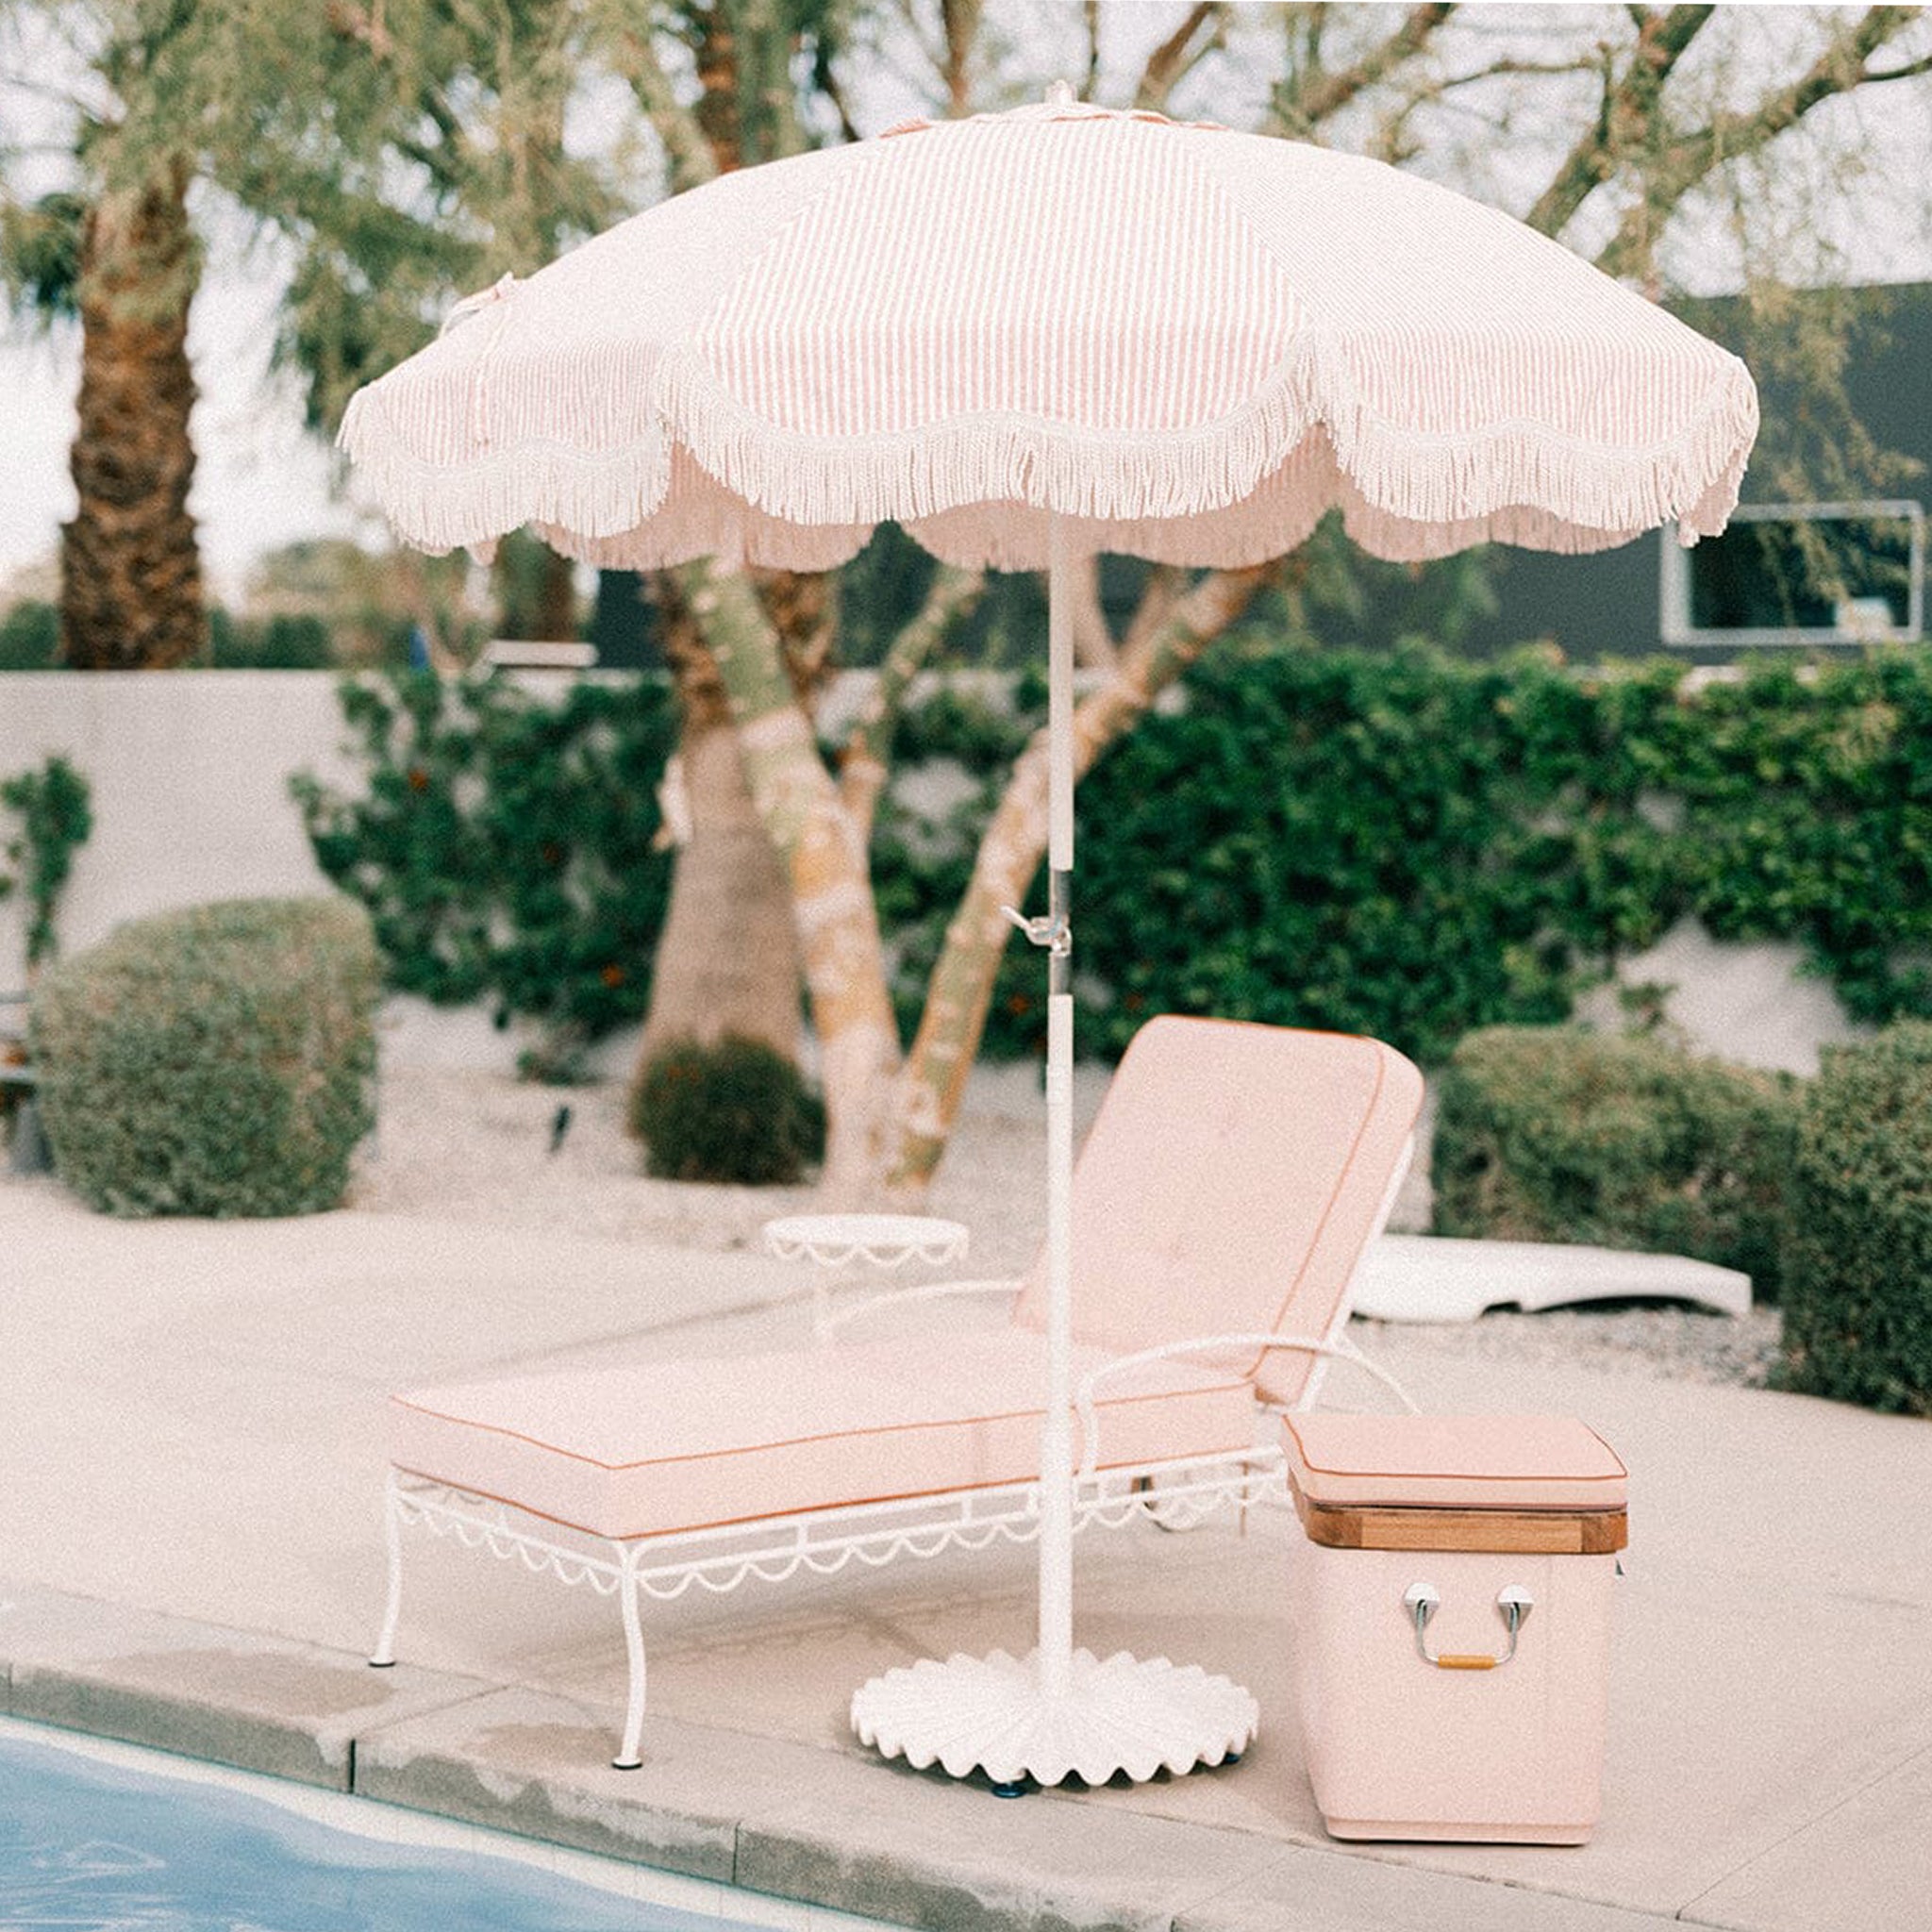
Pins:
x: 505, y: 845
x: 1402, y: 845
x: 1405, y: 847
x: 216, y: 1061
x: 921, y: 862
x: 1859, y: 1306
x: 1553, y: 1134
x: 30, y: 637
x: 1413, y: 848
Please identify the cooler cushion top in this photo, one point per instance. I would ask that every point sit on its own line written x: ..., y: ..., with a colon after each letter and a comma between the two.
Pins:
x: 1490, y: 1462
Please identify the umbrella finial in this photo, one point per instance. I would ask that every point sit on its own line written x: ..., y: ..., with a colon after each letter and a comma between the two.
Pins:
x: 1058, y: 94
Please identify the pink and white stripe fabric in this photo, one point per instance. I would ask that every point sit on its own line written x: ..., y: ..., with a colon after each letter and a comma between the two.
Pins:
x: 1190, y: 341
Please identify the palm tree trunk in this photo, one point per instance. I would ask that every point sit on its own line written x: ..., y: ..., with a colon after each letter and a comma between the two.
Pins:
x: 728, y: 959
x: 130, y: 569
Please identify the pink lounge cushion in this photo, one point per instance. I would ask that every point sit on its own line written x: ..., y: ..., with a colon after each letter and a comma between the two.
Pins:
x: 659, y: 1446
x: 1453, y: 1461
x: 1229, y: 1185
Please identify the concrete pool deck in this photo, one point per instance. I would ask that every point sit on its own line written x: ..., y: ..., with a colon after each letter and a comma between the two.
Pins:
x: 190, y: 1556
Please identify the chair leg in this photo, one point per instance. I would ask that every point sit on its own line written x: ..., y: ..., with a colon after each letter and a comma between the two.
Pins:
x: 385, y: 1654
x: 627, y: 1757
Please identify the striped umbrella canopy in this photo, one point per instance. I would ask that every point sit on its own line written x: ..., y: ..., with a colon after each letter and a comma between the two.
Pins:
x: 1029, y: 337
x: 1187, y: 341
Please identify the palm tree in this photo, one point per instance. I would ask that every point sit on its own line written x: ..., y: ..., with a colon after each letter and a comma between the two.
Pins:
x: 130, y: 569
x: 151, y: 96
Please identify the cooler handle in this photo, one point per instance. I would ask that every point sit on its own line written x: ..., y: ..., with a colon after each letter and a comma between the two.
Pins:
x: 1513, y: 1602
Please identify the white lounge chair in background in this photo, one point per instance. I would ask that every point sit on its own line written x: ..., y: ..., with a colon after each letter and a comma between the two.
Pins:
x: 1221, y: 1205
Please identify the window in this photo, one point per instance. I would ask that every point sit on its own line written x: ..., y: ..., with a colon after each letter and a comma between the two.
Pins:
x: 1800, y: 574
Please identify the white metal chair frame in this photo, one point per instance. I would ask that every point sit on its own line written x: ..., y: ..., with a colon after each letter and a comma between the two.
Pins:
x: 664, y: 1565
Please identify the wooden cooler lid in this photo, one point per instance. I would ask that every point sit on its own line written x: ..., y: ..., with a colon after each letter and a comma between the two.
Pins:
x: 1525, y: 1483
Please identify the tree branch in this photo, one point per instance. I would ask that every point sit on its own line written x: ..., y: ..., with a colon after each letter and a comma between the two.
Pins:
x: 862, y: 761
x: 62, y: 96
x: 1171, y: 62
x: 692, y: 158
x: 1323, y: 96
x: 1156, y: 659
x: 1507, y: 69
x: 1165, y: 584
x: 1686, y: 160
x: 1907, y: 72
x: 1628, y: 112
x: 959, y: 22
x: 828, y: 84
x: 1094, y: 645
x: 363, y: 23
x: 931, y: 50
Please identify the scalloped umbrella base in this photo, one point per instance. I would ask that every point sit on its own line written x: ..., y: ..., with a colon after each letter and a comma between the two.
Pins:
x: 1125, y: 1714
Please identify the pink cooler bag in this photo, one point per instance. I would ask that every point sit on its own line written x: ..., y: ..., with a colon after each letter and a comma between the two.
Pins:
x: 1453, y: 1611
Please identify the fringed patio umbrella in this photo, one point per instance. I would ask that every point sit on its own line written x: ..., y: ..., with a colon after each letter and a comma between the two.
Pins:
x: 1027, y: 338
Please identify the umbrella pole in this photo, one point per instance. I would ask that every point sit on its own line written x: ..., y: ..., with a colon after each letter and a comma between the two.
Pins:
x: 1060, y: 1711
x: 1055, y: 1642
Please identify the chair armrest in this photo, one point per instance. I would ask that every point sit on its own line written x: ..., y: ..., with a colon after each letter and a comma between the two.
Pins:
x: 931, y: 1291
x: 1265, y: 1340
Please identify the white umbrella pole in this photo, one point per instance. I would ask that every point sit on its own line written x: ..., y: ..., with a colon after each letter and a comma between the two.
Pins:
x: 1057, y: 1436
x: 1060, y: 1711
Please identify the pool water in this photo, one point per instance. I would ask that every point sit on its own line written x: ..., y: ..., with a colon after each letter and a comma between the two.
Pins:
x: 92, y: 1846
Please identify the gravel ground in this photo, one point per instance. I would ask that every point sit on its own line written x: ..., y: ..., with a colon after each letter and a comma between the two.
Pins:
x: 1623, y: 1338
x: 477, y: 1146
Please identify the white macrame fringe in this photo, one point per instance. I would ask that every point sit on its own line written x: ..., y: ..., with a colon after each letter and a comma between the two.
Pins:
x: 440, y: 506
x: 1406, y: 493
x: 1541, y: 488
x: 912, y: 473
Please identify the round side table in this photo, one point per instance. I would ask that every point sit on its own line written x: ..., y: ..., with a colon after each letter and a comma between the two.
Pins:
x: 834, y: 1243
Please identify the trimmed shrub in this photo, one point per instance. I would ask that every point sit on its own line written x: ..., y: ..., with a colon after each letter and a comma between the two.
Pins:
x: 1858, y: 1303
x: 1552, y: 1134
x: 735, y: 1111
x: 218, y: 1061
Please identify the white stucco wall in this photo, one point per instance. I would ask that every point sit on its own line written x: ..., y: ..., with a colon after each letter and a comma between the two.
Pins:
x: 189, y: 775
x: 1753, y: 1003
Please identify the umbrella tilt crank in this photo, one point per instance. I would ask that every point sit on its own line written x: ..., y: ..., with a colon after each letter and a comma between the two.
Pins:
x: 1054, y: 929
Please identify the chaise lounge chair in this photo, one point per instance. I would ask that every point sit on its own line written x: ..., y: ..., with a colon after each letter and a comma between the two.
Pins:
x: 1224, y: 1197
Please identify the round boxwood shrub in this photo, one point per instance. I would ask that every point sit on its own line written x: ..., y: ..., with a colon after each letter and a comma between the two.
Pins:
x: 1553, y: 1134
x: 1859, y: 1304
x: 737, y: 1111
x: 218, y: 1061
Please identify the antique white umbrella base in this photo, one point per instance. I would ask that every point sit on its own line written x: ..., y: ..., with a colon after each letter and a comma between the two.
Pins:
x: 991, y: 1714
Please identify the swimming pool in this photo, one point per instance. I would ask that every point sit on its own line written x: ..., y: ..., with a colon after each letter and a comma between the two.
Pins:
x: 98, y: 1839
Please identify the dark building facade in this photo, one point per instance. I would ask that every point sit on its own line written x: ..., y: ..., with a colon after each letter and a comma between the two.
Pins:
x: 1748, y: 591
